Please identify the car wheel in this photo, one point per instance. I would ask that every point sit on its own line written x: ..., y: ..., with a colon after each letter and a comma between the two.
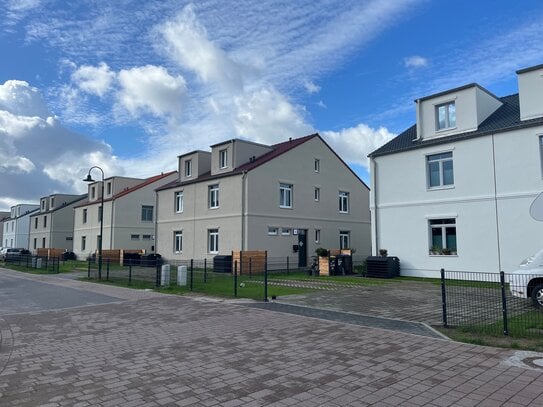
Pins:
x: 537, y: 296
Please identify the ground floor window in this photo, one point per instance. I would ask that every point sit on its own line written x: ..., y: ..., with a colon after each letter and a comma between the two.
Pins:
x: 213, y: 240
x: 442, y: 236
x: 43, y: 242
x: 83, y: 243
x: 317, y: 235
x: 178, y: 241
x: 344, y: 239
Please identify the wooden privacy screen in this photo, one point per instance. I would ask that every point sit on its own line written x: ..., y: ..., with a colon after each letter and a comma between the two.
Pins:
x: 49, y: 253
x: 249, y: 261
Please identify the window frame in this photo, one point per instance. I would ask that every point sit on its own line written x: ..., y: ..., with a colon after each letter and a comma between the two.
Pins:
x: 286, y: 195
x: 223, y: 158
x: 273, y: 231
x: 447, y: 125
x: 213, y: 241
x: 343, y: 197
x: 317, y: 165
x: 133, y: 236
x: 317, y: 235
x: 83, y: 243
x: 45, y: 221
x: 317, y: 194
x: 178, y: 241
x: 440, y: 160
x: 188, y: 168
x: 145, y: 209
x: 213, y: 196
x: 342, y: 235
x: 286, y: 231
x: 446, y: 223
x: 179, y: 201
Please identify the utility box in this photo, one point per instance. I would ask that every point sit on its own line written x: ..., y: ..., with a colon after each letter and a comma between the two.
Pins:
x: 165, y: 275
x: 182, y: 275
x: 382, y: 267
x: 222, y: 264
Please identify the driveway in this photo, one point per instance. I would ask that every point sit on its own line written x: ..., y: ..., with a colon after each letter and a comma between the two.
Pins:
x: 149, y: 349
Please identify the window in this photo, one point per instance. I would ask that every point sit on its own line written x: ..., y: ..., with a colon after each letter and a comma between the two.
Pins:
x: 223, y: 158
x: 213, y: 240
x: 446, y: 116
x: 147, y: 237
x: 45, y: 221
x: 285, y: 195
x: 343, y: 202
x: 100, y: 214
x: 317, y: 235
x: 440, y: 170
x: 93, y: 192
x: 134, y: 237
x: 179, y: 202
x: 178, y: 241
x: 84, y: 216
x: 344, y: 239
x: 214, y: 196
x: 108, y: 188
x: 188, y: 168
x: 442, y: 236
x: 317, y: 165
x: 35, y: 243
x: 273, y: 231
x: 285, y: 231
x: 43, y: 242
x: 317, y: 194
x: 83, y: 243
x: 146, y: 213
x: 35, y: 224
x: 52, y: 202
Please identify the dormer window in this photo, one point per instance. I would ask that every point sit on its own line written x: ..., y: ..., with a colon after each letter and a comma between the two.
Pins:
x: 446, y: 116
x: 108, y: 188
x: 223, y: 159
x: 188, y: 168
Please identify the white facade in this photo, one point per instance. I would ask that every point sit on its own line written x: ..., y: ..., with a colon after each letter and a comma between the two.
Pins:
x: 266, y: 201
x: 16, y: 227
x: 129, y: 215
x: 461, y: 202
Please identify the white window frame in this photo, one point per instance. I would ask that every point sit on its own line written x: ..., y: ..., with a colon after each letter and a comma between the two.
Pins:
x: 317, y: 235
x: 432, y: 158
x: 178, y: 241
x: 344, y: 239
x: 134, y: 237
x: 317, y: 194
x: 93, y: 192
x: 179, y: 201
x: 83, y: 243
x: 443, y: 227
x: 213, y: 241
x: 146, y: 237
x: 343, y: 197
x: 223, y: 158
x: 213, y: 196
x: 286, y: 195
x: 84, y: 216
x: 145, y: 209
x: 317, y: 165
x: 286, y: 231
x: 188, y: 168
x: 273, y: 230
x: 448, y: 125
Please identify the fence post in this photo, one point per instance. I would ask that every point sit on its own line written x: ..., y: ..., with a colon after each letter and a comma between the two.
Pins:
x: 130, y: 273
x: 88, y: 268
x: 288, y: 265
x: 191, y: 273
x: 250, y: 267
x: 504, y: 303
x: 236, y: 278
x: 157, y: 279
x: 205, y: 270
x: 107, y: 269
x: 443, y: 298
x: 266, y: 279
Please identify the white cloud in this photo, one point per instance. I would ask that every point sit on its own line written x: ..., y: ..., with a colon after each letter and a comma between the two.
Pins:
x: 19, y: 98
x: 415, y: 61
x: 320, y: 103
x: 355, y: 143
x: 152, y: 90
x: 311, y: 87
x: 95, y: 80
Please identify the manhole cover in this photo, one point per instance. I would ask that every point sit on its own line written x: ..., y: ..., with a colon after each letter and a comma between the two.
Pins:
x: 526, y: 359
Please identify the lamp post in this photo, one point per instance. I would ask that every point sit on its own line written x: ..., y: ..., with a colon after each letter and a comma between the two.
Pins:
x: 89, y: 179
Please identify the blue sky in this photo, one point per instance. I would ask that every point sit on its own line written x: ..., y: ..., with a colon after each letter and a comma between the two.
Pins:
x: 129, y: 85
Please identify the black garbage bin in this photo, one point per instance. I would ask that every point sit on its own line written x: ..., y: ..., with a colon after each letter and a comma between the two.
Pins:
x: 222, y: 264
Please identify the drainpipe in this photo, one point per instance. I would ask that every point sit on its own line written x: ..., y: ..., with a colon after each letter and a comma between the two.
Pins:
x: 155, y: 241
x: 496, y: 205
x: 373, y: 204
x: 243, y: 208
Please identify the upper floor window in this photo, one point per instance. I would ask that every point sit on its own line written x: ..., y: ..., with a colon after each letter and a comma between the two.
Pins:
x: 42, y: 205
x: 443, y: 236
x: 146, y: 213
x: 440, y: 170
x: 45, y: 221
x: 179, y: 201
x: 317, y: 165
x: 214, y: 196
x: 35, y: 224
x: 93, y: 192
x: 188, y: 168
x: 343, y: 202
x: 223, y: 158
x: 446, y: 116
x: 84, y: 216
x: 52, y: 202
x: 285, y: 195
x: 100, y: 213
x: 108, y: 188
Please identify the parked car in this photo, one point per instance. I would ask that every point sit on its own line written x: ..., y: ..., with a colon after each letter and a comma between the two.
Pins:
x: 3, y: 251
x: 527, y: 280
x: 15, y: 254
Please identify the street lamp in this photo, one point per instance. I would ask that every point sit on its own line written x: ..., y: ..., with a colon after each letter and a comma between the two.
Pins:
x: 89, y: 179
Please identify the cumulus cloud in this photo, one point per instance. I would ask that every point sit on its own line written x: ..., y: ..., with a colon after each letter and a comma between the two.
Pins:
x: 355, y: 143
x: 151, y: 89
x: 415, y: 61
x: 95, y: 80
x: 311, y: 87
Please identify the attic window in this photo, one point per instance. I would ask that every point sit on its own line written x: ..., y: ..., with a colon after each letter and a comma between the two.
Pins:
x: 446, y: 116
x: 223, y: 158
x: 188, y: 168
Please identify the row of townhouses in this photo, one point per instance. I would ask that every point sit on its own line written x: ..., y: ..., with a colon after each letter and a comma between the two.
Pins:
x: 289, y: 199
x: 453, y: 191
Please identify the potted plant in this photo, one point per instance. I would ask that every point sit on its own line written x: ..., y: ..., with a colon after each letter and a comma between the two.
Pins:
x: 383, y: 252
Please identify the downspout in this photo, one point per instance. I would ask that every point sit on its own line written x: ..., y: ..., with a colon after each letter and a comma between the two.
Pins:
x: 373, y: 204
x: 496, y: 205
x: 111, y: 225
x: 243, y: 208
x: 156, y: 223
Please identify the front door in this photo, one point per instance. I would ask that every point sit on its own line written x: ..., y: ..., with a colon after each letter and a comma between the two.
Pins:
x: 302, y: 248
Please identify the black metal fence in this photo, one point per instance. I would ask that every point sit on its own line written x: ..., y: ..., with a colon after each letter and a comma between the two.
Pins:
x: 484, y: 302
x: 41, y: 264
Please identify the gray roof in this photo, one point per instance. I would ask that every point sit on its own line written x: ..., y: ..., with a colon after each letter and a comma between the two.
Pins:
x: 505, y: 118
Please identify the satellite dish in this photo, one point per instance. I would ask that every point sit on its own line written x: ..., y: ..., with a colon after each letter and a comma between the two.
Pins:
x: 536, y: 208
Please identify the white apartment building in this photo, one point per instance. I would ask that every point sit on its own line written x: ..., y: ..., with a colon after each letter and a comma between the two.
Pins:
x: 16, y: 227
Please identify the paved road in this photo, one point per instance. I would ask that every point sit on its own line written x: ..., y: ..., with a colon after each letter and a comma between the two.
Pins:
x: 147, y: 349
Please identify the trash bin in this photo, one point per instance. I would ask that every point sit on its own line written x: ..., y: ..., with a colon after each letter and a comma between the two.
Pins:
x: 222, y: 264
x: 382, y: 267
